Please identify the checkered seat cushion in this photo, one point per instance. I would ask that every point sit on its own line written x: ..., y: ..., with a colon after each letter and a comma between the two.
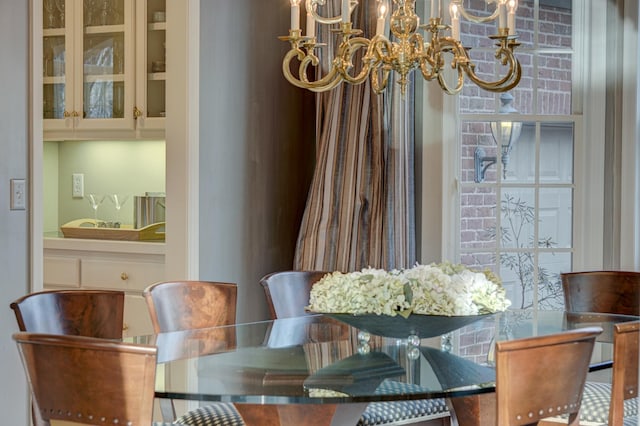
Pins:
x: 595, y: 404
x: 381, y: 413
x: 217, y: 414
x: 377, y: 413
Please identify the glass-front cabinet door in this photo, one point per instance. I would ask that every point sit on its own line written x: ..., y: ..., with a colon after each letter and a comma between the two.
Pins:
x: 88, y: 64
x: 55, y: 45
x: 151, y: 73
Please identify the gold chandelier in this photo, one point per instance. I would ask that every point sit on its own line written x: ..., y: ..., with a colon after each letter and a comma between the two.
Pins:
x: 410, y: 50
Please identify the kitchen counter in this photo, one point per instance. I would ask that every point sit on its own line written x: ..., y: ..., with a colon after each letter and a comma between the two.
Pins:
x: 56, y: 241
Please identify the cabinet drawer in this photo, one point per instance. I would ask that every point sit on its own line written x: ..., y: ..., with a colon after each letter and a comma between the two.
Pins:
x: 61, y: 271
x: 119, y: 275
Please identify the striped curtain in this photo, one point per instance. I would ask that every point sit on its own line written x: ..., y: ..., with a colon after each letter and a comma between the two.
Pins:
x: 360, y: 207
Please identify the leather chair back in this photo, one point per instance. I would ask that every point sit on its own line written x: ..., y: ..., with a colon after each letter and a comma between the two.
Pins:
x: 541, y: 377
x: 89, y: 380
x: 186, y: 305
x: 91, y: 313
x: 288, y: 292
x: 615, y: 292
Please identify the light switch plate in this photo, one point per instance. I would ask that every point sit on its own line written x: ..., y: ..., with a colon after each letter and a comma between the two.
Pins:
x: 18, y: 194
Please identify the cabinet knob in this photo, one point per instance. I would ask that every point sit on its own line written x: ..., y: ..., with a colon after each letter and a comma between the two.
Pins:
x: 136, y: 112
x: 66, y: 114
x: 75, y: 114
x: 124, y: 276
x: 125, y: 327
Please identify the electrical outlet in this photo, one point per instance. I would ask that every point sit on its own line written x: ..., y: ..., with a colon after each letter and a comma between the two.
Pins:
x: 18, y: 194
x: 77, y: 188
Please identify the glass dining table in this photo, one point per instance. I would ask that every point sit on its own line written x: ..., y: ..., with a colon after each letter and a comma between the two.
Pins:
x: 322, y: 370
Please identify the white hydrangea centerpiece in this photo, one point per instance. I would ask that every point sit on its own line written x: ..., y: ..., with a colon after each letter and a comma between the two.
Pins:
x: 437, y: 289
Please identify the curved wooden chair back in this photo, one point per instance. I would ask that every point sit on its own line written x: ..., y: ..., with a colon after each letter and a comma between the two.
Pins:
x: 541, y: 377
x: 92, y: 313
x: 89, y: 380
x: 288, y: 292
x: 186, y: 305
x: 615, y: 292
x: 624, y: 381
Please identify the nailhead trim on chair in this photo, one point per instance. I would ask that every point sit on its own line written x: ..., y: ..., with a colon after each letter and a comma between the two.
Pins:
x: 218, y: 414
x: 596, y: 400
x: 380, y: 413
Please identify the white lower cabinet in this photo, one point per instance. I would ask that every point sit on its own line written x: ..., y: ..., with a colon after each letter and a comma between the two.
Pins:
x: 107, y: 265
x: 61, y: 271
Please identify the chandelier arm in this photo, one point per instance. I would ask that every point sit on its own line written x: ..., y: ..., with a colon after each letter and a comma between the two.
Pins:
x: 428, y: 59
x: 379, y: 49
x: 474, y: 18
x: 311, y: 5
x: 378, y: 87
x: 344, y: 59
x: 459, y: 84
x: 328, y: 82
x: 459, y: 62
x: 427, y: 74
x: 507, y: 82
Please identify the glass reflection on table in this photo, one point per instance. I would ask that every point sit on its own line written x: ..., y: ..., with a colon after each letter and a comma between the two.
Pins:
x: 316, y: 359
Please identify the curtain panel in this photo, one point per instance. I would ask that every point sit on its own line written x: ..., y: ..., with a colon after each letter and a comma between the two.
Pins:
x: 360, y: 207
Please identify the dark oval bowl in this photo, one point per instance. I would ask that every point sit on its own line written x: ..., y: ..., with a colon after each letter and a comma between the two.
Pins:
x: 424, y: 326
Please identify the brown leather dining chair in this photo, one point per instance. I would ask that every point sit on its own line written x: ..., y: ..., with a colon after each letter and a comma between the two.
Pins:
x: 92, y: 313
x: 615, y: 292
x: 88, y: 380
x: 616, y: 402
x: 542, y: 377
x: 188, y: 305
x: 624, y: 383
x: 287, y: 294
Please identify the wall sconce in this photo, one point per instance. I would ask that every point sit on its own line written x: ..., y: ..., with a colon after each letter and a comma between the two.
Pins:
x: 505, y: 134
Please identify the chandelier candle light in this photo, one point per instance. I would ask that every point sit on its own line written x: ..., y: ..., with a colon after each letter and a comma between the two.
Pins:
x: 414, y: 46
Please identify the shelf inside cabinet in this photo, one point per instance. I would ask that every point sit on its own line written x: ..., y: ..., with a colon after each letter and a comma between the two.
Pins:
x: 53, y: 32
x: 103, y: 78
x: 157, y: 26
x: 157, y: 76
x: 54, y: 80
x: 104, y: 29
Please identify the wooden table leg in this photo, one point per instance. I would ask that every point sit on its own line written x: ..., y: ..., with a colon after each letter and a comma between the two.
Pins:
x: 300, y: 414
x: 475, y: 410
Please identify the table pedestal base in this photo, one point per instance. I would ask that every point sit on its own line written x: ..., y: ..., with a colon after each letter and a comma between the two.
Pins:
x: 475, y: 410
x: 301, y: 414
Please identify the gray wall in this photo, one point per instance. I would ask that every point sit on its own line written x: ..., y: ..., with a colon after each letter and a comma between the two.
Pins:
x: 256, y: 147
x: 14, y: 254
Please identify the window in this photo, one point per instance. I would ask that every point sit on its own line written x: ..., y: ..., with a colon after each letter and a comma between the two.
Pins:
x: 515, y: 203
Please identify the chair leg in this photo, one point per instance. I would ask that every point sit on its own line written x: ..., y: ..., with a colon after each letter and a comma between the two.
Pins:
x: 168, y: 410
x: 574, y: 419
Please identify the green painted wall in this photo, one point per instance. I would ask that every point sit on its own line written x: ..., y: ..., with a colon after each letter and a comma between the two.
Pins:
x: 109, y: 167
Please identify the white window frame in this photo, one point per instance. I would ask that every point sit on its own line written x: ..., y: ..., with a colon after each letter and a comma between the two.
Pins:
x: 588, y: 156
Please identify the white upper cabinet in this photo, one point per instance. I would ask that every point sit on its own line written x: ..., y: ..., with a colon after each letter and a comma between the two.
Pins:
x: 98, y: 61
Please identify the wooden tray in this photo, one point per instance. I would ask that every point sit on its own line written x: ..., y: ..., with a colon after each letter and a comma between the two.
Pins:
x: 86, y: 228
